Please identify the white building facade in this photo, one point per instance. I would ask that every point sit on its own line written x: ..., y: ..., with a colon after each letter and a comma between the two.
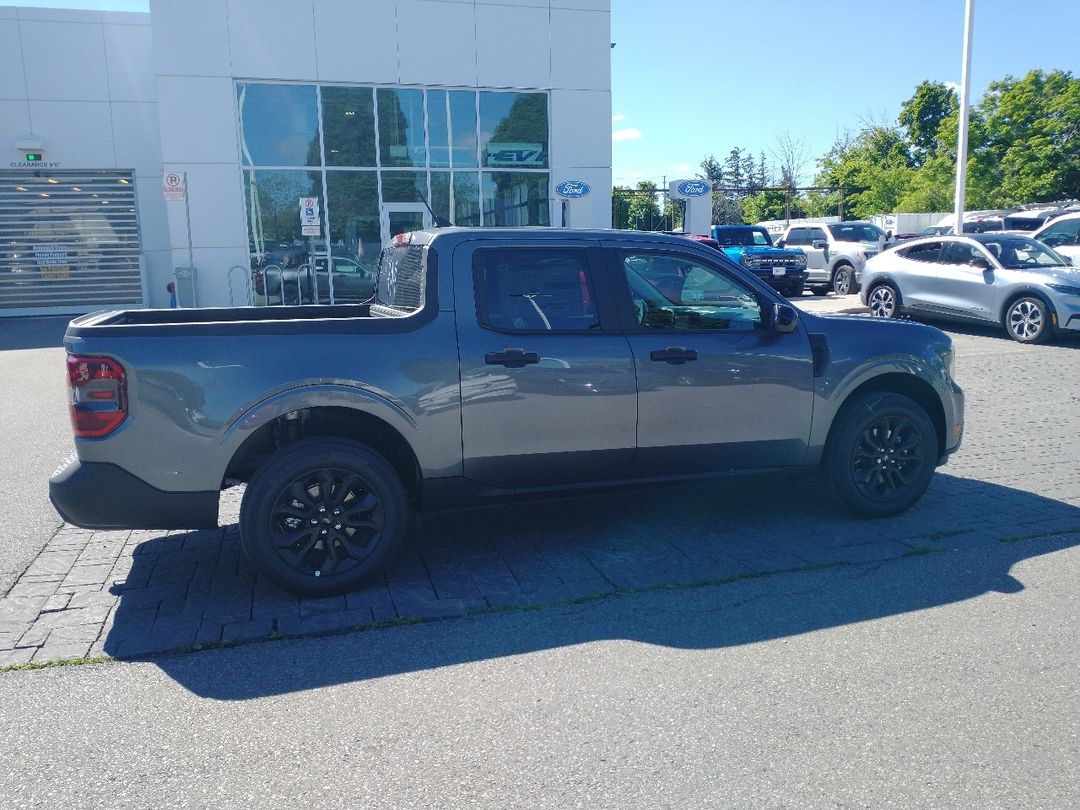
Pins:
x: 377, y: 115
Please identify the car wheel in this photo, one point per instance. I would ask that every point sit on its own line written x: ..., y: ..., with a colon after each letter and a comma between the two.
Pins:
x: 843, y: 279
x: 884, y: 301
x: 323, y: 516
x: 1027, y: 320
x: 880, y: 455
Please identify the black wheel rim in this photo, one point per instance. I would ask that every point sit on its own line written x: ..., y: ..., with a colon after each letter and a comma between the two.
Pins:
x: 326, y: 522
x: 888, y: 459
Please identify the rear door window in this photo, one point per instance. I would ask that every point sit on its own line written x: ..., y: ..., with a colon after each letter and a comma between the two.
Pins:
x: 929, y: 252
x: 535, y: 290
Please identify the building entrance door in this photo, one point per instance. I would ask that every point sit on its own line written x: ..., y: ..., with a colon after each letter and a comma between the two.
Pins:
x: 403, y: 217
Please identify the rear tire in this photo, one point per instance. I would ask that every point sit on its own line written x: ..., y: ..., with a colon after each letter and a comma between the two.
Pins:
x: 880, y: 455
x: 323, y: 516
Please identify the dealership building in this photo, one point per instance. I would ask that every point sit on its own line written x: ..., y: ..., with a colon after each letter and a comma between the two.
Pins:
x: 208, y: 143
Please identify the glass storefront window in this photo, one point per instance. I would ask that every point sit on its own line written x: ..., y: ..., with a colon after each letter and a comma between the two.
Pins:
x: 463, y: 128
x: 404, y: 186
x: 466, y: 199
x: 440, y: 195
x: 279, y: 125
x: 476, y: 157
x: 349, y: 126
x: 355, y: 237
x: 516, y: 198
x: 438, y: 129
x: 276, y: 245
x: 401, y: 127
x: 514, y: 130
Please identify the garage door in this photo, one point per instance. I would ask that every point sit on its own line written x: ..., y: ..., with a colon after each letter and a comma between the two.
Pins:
x: 69, y: 241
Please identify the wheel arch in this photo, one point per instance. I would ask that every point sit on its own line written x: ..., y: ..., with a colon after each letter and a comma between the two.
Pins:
x: 1028, y: 292
x: 333, y: 421
x: 909, y: 385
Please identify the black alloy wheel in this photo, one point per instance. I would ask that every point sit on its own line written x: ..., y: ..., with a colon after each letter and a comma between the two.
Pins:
x: 843, y: 279
x: 881, y: 454
x: 323, y: 516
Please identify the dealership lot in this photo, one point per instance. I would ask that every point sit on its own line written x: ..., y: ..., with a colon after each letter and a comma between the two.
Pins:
x: 135, y: 593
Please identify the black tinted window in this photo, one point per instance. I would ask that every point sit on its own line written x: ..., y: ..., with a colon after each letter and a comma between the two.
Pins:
x: 534, y: 290
x: 797, y: 237
x: 960, y: 253
x: 814, y: 235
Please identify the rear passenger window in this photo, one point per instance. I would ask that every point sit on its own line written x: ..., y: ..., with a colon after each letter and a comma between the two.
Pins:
x: 534, y: 290
x: 923, y: 253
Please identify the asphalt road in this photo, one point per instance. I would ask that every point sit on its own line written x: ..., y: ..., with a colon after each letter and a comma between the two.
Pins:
x: 36, y: 436
x: 942, y: 680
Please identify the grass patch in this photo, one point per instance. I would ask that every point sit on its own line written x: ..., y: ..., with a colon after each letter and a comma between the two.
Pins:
x: 918, y: 551
x: 951, y: 533
x: 1017, y: 538
x: 60, y: 662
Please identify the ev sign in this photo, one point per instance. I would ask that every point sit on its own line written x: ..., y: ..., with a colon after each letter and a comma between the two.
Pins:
x: 174, y: 184
x: 309, y: 216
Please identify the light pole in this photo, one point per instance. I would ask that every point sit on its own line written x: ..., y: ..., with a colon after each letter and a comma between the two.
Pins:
x: 962, y: 137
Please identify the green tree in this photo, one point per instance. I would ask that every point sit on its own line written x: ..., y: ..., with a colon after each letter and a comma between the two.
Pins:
x: 921, y: 117
x: 1030, y: 139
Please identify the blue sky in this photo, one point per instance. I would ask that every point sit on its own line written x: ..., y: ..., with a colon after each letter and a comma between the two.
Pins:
x: 698, y: 77
x: 701, y: 76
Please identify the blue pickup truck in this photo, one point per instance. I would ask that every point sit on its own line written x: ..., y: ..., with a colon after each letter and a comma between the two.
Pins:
x: 783, y: 269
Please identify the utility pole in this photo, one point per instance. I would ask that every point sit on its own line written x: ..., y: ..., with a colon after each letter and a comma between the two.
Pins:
x: 962, y: 138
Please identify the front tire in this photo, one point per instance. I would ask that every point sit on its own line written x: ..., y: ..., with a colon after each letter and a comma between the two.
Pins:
x: 884, y: 301
x: 323, y: 516
x: 843, y: 279
x: 1027, y: 320
x: 880, y: 455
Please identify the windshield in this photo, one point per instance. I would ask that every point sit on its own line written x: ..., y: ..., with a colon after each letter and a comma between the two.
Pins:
x: 1022, y: 253
x: 743, y: 236
x: 856, y: 232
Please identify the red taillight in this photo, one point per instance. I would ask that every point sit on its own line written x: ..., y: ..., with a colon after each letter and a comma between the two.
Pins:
x: 403, y: 238
x: 98, y: 387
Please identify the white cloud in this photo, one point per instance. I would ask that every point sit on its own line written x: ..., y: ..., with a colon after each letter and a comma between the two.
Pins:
x: 618, y: 117
x: 626, y: 134
x: 954, y: 86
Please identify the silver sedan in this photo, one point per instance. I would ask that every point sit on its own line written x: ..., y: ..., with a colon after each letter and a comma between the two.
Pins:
x: 1000, y: 278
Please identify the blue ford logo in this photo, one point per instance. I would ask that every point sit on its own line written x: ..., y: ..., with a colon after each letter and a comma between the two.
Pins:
x: 572, y: 189
x: 694, y: 188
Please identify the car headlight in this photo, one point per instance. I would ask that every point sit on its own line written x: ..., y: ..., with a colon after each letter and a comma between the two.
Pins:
x: 751, y: 261
x: 800, y: 260
x: 1065, y: 289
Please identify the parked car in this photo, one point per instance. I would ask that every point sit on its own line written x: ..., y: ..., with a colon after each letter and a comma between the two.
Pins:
x: 836, y: 252
x: 492, y: 362
x: 353, y: 282
x: 1002, y: 278
x: 1063, y: 235
x: 783, y: 269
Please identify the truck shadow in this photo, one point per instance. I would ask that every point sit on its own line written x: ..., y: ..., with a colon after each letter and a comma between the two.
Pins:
x: 191, y: 590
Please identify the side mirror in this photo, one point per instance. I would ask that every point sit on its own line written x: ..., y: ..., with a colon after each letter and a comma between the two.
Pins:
x: 785, y: 318
x: 779, y: 243
x: 819, y: 244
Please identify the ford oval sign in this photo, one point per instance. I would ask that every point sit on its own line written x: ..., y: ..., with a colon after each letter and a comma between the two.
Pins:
x: 694, y: 188
x: 572, y: 189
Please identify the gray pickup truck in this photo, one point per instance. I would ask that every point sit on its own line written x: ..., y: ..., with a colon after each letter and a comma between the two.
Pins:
x: 490, y: 362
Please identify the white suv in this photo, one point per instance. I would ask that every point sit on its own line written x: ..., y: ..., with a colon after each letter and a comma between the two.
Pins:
x: 1063, y: 235
x: 836, y: 252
